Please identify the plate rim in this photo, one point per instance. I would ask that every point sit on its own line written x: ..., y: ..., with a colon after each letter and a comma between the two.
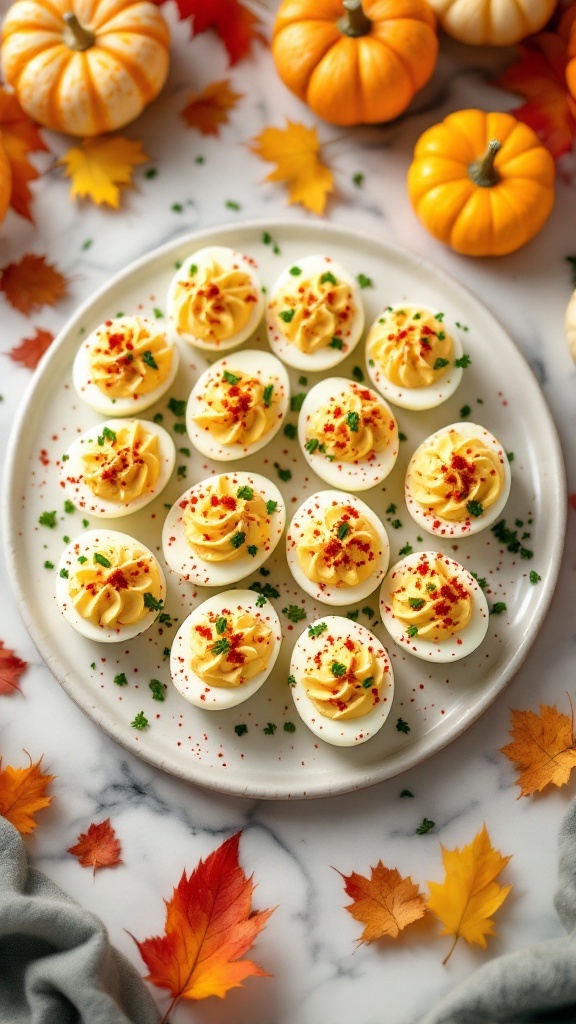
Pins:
x: 354, y: 779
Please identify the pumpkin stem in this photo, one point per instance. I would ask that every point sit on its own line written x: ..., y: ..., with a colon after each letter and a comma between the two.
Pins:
x: 76, y: 36
x: 354, y: 23
x: 482, y: 171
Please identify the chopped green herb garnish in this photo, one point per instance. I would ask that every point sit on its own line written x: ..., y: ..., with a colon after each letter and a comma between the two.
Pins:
x: 240, y: 729
x: 317, y: 630
x: 64, y: 574
x: 439, y: 363
x: 230, y: 378
x: 365, y: 282
x: 158, y: 417
x: 294, y: 613
x: 295, y: 271
x: 406, y: 792
x: 482, y: 583
x: 87, y: 244
x: 231, y: 204
x: 186, y: 452
x: 465, y: 411
x: 179, y: 428
x: 85, y: 523
x: 260, y: 601
x: 65, y: 457
x: 406, y: 550
x: 391, y: 509
x: 166, y: 652
x: 358, y: 179
x: 353, y: 421
x: 120, y: 679
x: 107, y: 435
x: 165, y: 619
x: 402, y: 726
x: 534, y: 577
x: 463, y: 362
x: 368, y: 611
x: 102, y: 560
x: 290, y: 431
x: 192, y: 269
x: 287, y: 315
x: 303, y: 381
x: 498, y: 608
x: 510, y: 539
x: 296, y: 402
x: 265, y: 589
x: 149, y: 359
x: 416, y: 602
x: 475, y: 508
x: 48, y: 519
x: 140, y: 722
x: 177, y: 406
x: 425, y: 827
x: 269, y: 729
x: 396, y: 523
x: 328, y: 278
x: 271, y: 506
x: 358, y: 373
x: 343, y: 530
x: 48, y: 565
x: 353, y: 615
x: 150, y: 173
x: 412, y: 631
x: 283, y: 474
x: 289, y: 727
x: 367, y: 683
x: 311, y: 445
x: 291, y: 680
x: 152, y: 603
x: 221, y: 624
x: 181, y: 472
x: 252, y: 550
x: 401, y: 436
x: 336, y: 343
x: 267, y: 396
x: 238, y: 539
x: 510, y: 456
x: 82, y: 559
x: 69, y: 506
x: 157, y: 689
x: 221, y: 646
x: 338, y: 669
x: 157, y: 313
x: 245, y: 492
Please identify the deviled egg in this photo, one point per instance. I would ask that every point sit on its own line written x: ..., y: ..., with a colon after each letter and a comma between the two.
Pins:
x: 315, y: 314
x: 342, y: 681
x: 337, y: 548
x: 237, y: 406
x: 225, y: 650
x: 348, y: 434
x: 224, y: 528
x: 433, y: 607
x: 124, y: 366
x: 117, y: 467
x: 457, y: 481
x: 215, y: 299
x: 414, y: 357
x: 109, y: 586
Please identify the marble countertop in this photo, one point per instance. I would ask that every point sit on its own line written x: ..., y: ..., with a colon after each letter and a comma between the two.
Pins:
x: 165, y: 824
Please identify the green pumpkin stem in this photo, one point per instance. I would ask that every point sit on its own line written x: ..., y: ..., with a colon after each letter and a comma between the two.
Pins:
x: 482, y: 171
x: 76, y: 36
x: 354, y: 23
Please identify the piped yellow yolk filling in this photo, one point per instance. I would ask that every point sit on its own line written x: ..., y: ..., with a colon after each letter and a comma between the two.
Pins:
x: 411, y: 346
x: 455, y: 476
x: 238, y: 408
x: 117, y: 586
x: 317, y: 313
x: 338, y: 547
x: 344, y: 679
x: 129, y: 358
x: 228, y: 649
x: 431, y: 601
x: 213, y: 303
x: 226, y: 522
x: 352, y: 427
x: 123, y: 464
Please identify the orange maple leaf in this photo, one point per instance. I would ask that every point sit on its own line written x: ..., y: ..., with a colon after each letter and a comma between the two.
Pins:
x: 543, y: 748
x: 11, y: 668
x: 30, y: 350
x: 540, y: 77
x: 469, y: 895
x: 385, y: 903
x: 32, y: 283
x: 208, y: 110
x: 98, y: 847
x: 296, y: 152
x: 237, y: 26
x: 22, y: 793
x: 20, y: 137
x: 209, y: 926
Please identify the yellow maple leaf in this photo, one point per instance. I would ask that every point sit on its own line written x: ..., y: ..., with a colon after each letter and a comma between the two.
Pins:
x: 542, y: 750
x: 99, y: 166
x: 208, y: 111
x: 22, y: 793
x: 296, y: 152
x: 385, y: 903
x: 468, y: 897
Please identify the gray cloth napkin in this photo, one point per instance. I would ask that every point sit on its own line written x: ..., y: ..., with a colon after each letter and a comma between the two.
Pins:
x: 537, y: 983
x: 56, y: 962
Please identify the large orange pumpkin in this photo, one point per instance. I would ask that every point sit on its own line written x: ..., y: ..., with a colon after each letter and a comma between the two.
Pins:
x: 355, y: 62
x: 5, y: 182
x: 85, y: 66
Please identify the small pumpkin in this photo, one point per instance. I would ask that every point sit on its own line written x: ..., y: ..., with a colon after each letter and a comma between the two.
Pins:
x: 5, y: 182
x: 567, y: 29
x: 355, y: 61
x: 492, y: 22
x: 85, y: 66
x: 482, y: 183
x: 570, y: 325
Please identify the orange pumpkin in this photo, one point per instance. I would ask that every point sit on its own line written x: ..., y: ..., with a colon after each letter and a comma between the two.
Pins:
x: 568, y: 30
x: 481, y: 183
x: 355, y: 62
x: 5, y: 182
x: 84, y: 66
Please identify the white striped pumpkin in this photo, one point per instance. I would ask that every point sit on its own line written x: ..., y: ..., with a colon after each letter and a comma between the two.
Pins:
x: 492, y: 22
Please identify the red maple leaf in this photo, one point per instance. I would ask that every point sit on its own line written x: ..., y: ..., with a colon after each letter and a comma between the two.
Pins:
x: 11, y: 668
x: 98, y: 847
x: 32, y: 283
x: 30, y: 350
x: 540, y: 77
x: 20, y: 137
x: 237, y: 26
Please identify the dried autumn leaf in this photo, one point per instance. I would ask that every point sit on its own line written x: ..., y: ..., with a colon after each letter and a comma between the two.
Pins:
x: 20, y: 137
x: 543, y: 748
x: 32, y: 283
x: 468, y: 897
x: 22, y: 794
x: 237, y: 26
x: 98, y: 847
x: 11, y: 668
x: 209, y: 926
x: 30, y: 350
x: 208, y: 111
x: 295, y: 150
x: 540, y: 77
x: 385, y: 903
x: 98, y: 168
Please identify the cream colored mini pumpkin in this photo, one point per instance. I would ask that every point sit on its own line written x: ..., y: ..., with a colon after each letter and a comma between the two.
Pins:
x: 492, y: 22
x: 570, y: 325
x: 85, y: 66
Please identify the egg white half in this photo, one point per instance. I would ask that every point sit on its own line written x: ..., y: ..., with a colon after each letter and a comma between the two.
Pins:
x: 427, y: 397
x: 329, y: 594
x: 189, y: 684
x: 267, y: 369
x: 91, y: 393
x: 72, y: 471
x: 327, y: 357
x: 339, y: 733
x: 455, y: 647
x: 85, y: 545
x: 351, y: 476
x: 433, y: 523
x: 229, y: 260
x: 182, y: 559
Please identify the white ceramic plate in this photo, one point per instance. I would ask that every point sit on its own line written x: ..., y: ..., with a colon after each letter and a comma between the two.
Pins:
x: 437, y: 702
